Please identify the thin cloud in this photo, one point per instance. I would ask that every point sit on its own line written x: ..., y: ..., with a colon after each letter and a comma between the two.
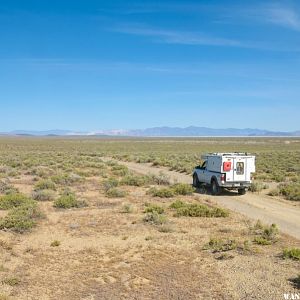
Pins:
x: 180, y: 37
x: 193, y: 38
x: 283, y: 16
x: 275, y: 14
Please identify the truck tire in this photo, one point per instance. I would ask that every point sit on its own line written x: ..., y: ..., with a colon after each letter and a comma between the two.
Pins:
x: 196, y: 182
x: 215, y: 189
x: 242, y: 191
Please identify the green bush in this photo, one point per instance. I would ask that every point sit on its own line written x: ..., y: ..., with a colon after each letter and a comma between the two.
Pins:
x: 6, y: 188
x: 119, y: 170
x: 43, y: 195
x: 178, y: 204
x: 292, y: 253
x: 14, y: 200
x: 262, y: 241
x: 69, y: 201
x: 266, y: 235
x: 160, y: 179
x: 66, y: 179
x: 168, y: 192
x: 45, y: 184
x: 278, y: 177
x: 115, y: 193
x: 22, y: 218
x: 197, y: 210
x: 183, y: 189
x: 155, y: 218
x: 220, y: 245
x: 150, y: 208
x: 290, y: 191
x: 110, y: 183
x: 162, y: 193
x: 55, y: 243
x: 133, y: 180
x: 257, y: 187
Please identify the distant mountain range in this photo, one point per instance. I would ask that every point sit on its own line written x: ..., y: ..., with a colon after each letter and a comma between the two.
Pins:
x: 192, y: 131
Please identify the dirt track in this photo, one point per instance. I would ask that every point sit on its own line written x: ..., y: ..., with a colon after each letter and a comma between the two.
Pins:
x: 256, y: 206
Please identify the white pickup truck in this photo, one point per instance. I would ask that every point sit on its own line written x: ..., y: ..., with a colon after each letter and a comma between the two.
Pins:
x: 225, y: 170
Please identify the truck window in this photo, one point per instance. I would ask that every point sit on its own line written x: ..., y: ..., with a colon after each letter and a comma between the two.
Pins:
x: 239, y: 168
x: 204, y: 165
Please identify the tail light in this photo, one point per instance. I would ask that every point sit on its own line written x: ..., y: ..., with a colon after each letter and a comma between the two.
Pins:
x: 223, y: 176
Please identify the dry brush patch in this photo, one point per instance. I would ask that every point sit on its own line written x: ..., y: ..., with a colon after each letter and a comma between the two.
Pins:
x: 139, y: 245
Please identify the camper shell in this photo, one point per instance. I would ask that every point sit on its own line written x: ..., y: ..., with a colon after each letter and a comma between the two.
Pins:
x: 225, y: 170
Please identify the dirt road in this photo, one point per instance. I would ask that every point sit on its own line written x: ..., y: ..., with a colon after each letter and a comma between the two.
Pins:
x: 256, y: 206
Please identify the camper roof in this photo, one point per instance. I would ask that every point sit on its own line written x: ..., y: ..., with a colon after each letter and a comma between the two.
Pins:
x: 225, y: 154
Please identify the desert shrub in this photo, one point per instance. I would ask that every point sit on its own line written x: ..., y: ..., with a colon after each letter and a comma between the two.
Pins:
x: 6, y: 188
x: 162, y: 193
x: 292, y: 253
x: 109, y: 184
x: 262, y: 241
x: 134, y: 180
x: 265, y: 235
x: 155, y: 218
x: 220, y: 245
x: 278, y: 177
x: 14, y: 200
x: 43, y: 195
x: 115, y: 193
x: 127, y: 209
x: 296, y: 282
x: 150, y: 208
x: 55, y: 243
x: 197, y: 210
x: 22, y: 218
x: 177, y: 204
x: 258, y: 226
x: 168, y: 192
x: 290, y: 191
x: 119, y: 170
x: 66, y: 179
x: 160, y: 179
x: 183, y: 189
x: 69, y: 200
x: 295, y: 178
x: 165, y: 228
x: 42, y: 172
x: 257, y: 187
x: 274, y: 192
x: 45, y: 184
x: 111, y: 163
x: 12, y: 281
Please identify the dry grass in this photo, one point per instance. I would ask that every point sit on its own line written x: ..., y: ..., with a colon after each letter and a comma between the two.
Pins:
x: 120, y: 248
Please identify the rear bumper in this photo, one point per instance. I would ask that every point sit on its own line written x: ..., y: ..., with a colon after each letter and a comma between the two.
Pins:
x: 236, y: 185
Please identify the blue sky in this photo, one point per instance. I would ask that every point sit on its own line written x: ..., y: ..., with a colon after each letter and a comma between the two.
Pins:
x: 89, y: 65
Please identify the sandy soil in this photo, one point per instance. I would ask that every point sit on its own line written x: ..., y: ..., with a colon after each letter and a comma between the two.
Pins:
x: 105, y: 253
x: 286, y: 214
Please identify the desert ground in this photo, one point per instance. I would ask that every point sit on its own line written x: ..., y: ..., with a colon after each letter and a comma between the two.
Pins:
x: 113, y: 219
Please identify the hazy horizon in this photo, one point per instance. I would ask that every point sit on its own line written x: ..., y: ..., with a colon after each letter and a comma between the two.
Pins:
x: 160, y: 131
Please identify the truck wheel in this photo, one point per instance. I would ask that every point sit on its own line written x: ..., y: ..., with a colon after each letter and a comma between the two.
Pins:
x: 196, y: 182
x: 242, y: 191
x: 215, y: 189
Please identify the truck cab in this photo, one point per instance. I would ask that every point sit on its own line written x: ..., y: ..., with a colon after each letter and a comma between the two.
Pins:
x: 225, y: 170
